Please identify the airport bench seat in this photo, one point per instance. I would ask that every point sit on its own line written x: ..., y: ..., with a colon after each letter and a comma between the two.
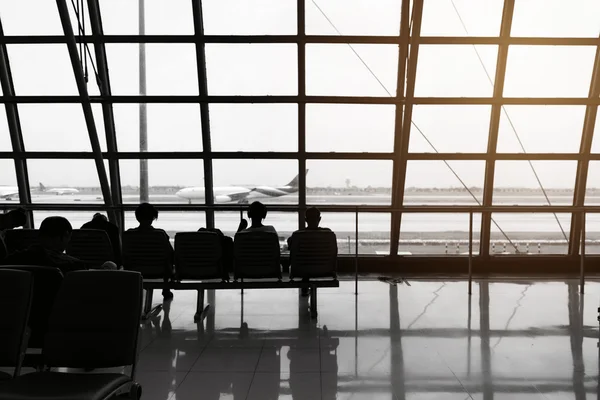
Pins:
x: 20, y: 239
x: 91, y: 245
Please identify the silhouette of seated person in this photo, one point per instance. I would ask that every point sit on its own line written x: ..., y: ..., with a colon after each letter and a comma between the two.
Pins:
x: 313, y: 219
x: 146, y: 214
x: 101, y: 222
x: 257, y: 212
x: 54, y: 235
x: 13, y: 219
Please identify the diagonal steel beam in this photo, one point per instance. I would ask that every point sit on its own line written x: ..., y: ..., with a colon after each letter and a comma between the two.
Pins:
x: 14, y: 126
x: 103, y: 79
x: 86, y: 104
x: 204, y: 109
x: 490, y: 166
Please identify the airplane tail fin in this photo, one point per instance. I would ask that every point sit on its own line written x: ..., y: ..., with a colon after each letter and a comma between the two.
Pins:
x: 294, y: 182
x: 42, y: 187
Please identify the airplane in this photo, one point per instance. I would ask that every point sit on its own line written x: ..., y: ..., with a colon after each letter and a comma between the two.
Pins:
x: 58, y: 191
x: 8, y: 192
x: 227, y: 194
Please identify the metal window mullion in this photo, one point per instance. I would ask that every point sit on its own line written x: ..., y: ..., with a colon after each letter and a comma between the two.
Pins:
x: 107, y: 108
x: 585, y: 149
x: 399, y: 167
x: 85, y: 100
x: 14, y: 126
x: 301, y: 22
x: 404, y: 136
x: 204, y: 110
x: 488, y: 186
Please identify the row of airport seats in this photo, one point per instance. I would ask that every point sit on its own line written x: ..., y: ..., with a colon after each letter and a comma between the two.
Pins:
x: 60, y: 317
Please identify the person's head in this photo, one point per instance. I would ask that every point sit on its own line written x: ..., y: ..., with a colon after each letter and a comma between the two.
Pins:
x: 312, y: 217
x: 146, y: 214
x: 16, y: 218
x: 100, y: 217
x: 257, y: 212
x: 55, y: 233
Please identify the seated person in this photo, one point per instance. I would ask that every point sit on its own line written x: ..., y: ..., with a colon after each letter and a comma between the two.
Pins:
x: 13, y: 219
x: 146, y: 214
x: 256, y: 212
x: 54, y: 235
x: 100, y: 222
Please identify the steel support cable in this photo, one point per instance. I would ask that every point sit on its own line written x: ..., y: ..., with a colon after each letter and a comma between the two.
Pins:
x: 87, y: 53
x: 364, y: 63
x: 512, y: 126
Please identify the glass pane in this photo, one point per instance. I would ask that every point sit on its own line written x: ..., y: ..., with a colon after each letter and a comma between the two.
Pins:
x: 530, y: 233
x: 592, y: 197
x: 173, y: 17
x: 548, y: 71
x: 267, y: 69
x: 254, y: 127
x: 455, y: 71
x: 556, y: 18
x: 170, y: 127
x: 58, y: 127
x: 349, y: 182
x: 541, y: 129
x: 63, y: 181
x: 444, y: 234
x: 30, y: 17
x: 373, y: 232
x: 350, y: 127
x: 435, y: 182
x: 443, y: 18
x: 165, y: 179
x: 242, y: 181
x: 249, y: 17
x: 515, y: 182
x: 284, y: 222
x: 170, y: 69
x: 337, y: 69
x: 172, y: 221
x: 592, y: 231
x: 76, y: 218
x: 5, y: 143
x: 450, y: 128
x: 353, y: 17
x: 9, y: 192
x: 596, y: 138
x: 41, y: 69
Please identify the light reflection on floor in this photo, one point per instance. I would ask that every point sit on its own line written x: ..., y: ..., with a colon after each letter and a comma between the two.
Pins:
x: 509, y: 340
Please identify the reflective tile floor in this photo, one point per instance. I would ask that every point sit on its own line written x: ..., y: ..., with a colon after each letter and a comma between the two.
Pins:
x: 427, y: 340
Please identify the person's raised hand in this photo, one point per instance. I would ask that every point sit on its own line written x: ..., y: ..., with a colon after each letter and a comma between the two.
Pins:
x: 243, y: 225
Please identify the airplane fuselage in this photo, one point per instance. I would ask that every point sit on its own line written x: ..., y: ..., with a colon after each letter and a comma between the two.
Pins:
x: 227, y: 194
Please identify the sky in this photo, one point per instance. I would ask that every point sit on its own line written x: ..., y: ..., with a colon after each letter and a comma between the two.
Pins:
x: 331, y: 69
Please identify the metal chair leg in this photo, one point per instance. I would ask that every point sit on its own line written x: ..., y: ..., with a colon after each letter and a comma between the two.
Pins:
x: 201, y: 309
x: 313, y: 301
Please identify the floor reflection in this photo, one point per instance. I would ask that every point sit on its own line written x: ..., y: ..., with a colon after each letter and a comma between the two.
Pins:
x: 509, y: 340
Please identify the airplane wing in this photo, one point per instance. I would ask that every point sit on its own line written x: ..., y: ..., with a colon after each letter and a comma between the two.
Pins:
x: 8, y: 194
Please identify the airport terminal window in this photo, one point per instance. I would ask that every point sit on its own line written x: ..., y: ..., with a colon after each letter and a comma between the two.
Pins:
x: 444, y: 128
x: 172, y: 221
x: 335, y: 70
x: 162, y: 18
x: 170, y: 68
x: 166, y: 179
x: 440, y: 234
x: 596, y: 138
x: 592, y: 231
x: 592, y: 196
x: 455, y: 71
x: 540, y: 129
x: 435, y: 182
x: 76, y: 218
x: 250, y: 17
x: 170, y: 127
x: 267, y: 69
x: 5, y: 143
x: 8, y: 182
x: 254, y: 127
x: 480, y: 18
x: 515, y: 182
x: 353, y: 17
x: 530, y: 233
x: 548, y: 71
x: 58, y: 127
x: 350, y: 127
x: 349, y: 182
x: 30, y: 17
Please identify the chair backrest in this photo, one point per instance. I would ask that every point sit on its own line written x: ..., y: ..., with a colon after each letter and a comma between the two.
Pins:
x: 198, y: 255
x: 79, y: 336
x: 147, y: 252
x: 19, y: 239
x: 256, y: 255
x: 313, y: 254
x: 15, y: 300
x: 47, y: 282
x: 91, y: 245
